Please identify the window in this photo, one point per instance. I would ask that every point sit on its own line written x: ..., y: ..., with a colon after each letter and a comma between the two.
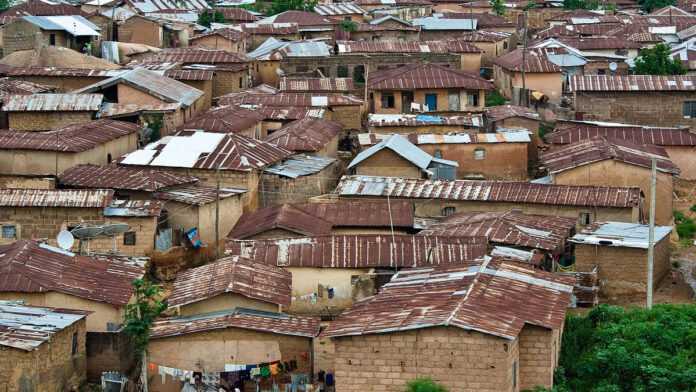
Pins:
x: 342, y: 71
x: 74, y: 343
x: 129, y: 238
x: 447, y: 211
x: 514, y: 376
x: 690, y: 109
x: 108, y: 158
x: 240, y: 82
x: 52, y: 40
x: 431, y: 102
x: 505, y: 45
x: 9, y: 232
x: 600, y: 71
x: 387, y: 100
x: 479, y: 154
x: 472, y: 99
x: 359, y: 74
x: 585, y: 218
x: 453, y: 100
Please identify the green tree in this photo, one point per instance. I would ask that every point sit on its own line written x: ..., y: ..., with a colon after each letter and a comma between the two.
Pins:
x: 618, y: 350
x: 139, y: 317
x: 424, y: 385
x: 650, y: 5
x: 209, y: 17
x: 657, y: 61
x: 493, y: 98
x: 498, y: 7
x: 348, y: 25
x: 5, y: 4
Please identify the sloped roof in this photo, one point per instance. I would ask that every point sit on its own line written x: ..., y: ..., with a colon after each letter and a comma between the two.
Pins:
x: 491, y: 297
x: 501, y: 112
x: 270, y: 28
x: 599, y: 148
x: 632, y: 83
x: 425, y: 75
x: 29, y: 267
x: 52, y: 102
x: 483, y: 36
x: 225, y: 119
x: 301, y: 18
x: 634, y: 133
x: 305, y: 135
x: 536, y: 60
x: 490, y: 191
x: 197, y: 55
x: 285, y: 216
x: 621, y: 234
x: 236, y: 275
x: 9, y: 86
x: 197, y: 194
x: 28, y: 327
x: 66, y: 198
x: 300, y: 165
x: 122, y: 177
x: 316, y: 84
x: 150, y: 6
x: 236, y: 14
x: 43, y: 8
x: 74, y: 25
x: 289, y: 99
x: 71, y: 138
x: 361, y: 251
x: 402, y: 147
x: 599, y: 43
x: 56, y: 56
x: 153, y: 83
x: 338, y: 9
x: 512, y: 228
x: 227, y: 33
x: 444, y: 46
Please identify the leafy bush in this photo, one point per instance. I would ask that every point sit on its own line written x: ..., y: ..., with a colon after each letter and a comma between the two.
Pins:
x: 424, y: 385
x: 686, y: 228
x: 658, y: 61
x: 617, y: 350
x: 493, y: 98
x: 692, y: 208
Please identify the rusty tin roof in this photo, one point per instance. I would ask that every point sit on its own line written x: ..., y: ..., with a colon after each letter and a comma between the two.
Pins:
x: 9, y: 86
x: 197, y: 55
x: 225, y: 119
x: 30, y: 267
x: 316, y: 84
x: 28, y: 327
x: 490, y: 191
x: 236, y: 14
x: 494, y: 297
x: 122, y: 177
x: 632, y: 83
x: 361, y: 251
x: 501, y: 112
x: 544, y: 232
x: 536, y: 61
x: 255, y: 320
x: 52, y: 103
x: 290, y: 99
x: 71, y: 138
x: 425, y: 75
x: 236, y: 275
x: 196, y: 194
x: 635, y: 133
x: 305, y: 135
x: 445, y: 46
x: 189, y: 74
x: 70, y: 198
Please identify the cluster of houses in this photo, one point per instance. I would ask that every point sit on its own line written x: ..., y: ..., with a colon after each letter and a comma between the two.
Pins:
x: 326, y: 196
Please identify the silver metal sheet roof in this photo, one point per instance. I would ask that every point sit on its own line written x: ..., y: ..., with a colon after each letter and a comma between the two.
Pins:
x: 72, y: 24
x: 300, y: 165
x: 432, y: 23
x: 53, y: 102
x: 401, y: 146
x: 620, y: 234
x: 27, y: 327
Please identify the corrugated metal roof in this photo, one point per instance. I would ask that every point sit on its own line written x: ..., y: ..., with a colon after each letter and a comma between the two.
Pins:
x: 402, y: 147
x: 416, y: 120
x: 501, y: 112
x: 64, y: 198
x: 444, y: 46
x: 629, y: 235
x: 72, y: 24
x: 58, y: 72
x: 149, y: 6
x: 301, y: 18
x: 71, y: 138
x: 536, y: 60
x: 305, y: 49
x: 52, y: 103
x: 338, y: 9
x: 28, y: 267
x: 361, y: 251
x: 491, y: 297
x: 369, y: 139
x: 548, y: 233
x: 316, y: 84
x: 484, y: 36
x: 122, y: 178
x: 236, y: 275
x: 139, y: 208
x: 43, y: 8
x: 633, y: 133
x: 255, y: 320
x: 305, y: 135
x: 236, y: 14
x: 425, y: 75
x: 598, y: 43
x: 288, y: 99
x: 394, y: 3
x: 632, y: 83
x: 314, y: 219
x: 196, y: 55
x: 270, y: 28
x: 153, y: 83
x: 196, y: 194
x: 189, y: 74
x: 9, y: 86
x: 434, y: 23
x: 300, y: 165
x: 227, y: 33
x: 599, y: 148
x: 490, y: 191
x: 28, y: 327
x: 225, y: 119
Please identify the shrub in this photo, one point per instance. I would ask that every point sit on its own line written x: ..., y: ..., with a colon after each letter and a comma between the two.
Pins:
x: 493, y: 98
x: 424, y: 385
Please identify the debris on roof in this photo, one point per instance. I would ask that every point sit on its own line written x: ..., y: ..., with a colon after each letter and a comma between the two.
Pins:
x: 52, y: 103
x: 28, y: 327
x: 122, y: 178
x: 501, y: 112
x: 64, y: 198
x: 196, y: 194
x: 10, y: 86
x: 417, y: 120
x: 133, y: 208
x: 621, y: 234
x: 490, y: 296
x: 305, y: 135
x: 236, y: 275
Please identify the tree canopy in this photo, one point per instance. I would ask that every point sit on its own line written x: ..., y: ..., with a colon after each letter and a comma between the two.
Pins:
x: 141, y: 314
x: 207, y: 18
x: 657, y: 61
x: 650, y: 5
x: 636, y: 350
x: 498, y: 7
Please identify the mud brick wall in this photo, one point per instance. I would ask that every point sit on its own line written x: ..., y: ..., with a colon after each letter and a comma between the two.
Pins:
x: 48, y: 121
x: 276, y: 190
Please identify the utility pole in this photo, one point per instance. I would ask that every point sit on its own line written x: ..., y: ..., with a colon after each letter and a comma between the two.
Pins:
x: 524, y: 53
x: 651, y: 232
x: 217, y: 213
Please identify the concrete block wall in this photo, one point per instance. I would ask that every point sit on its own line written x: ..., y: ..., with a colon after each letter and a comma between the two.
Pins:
x: 538, y: 355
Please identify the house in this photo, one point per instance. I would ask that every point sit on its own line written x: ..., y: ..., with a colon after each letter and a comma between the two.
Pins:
x: 100, y: 286
x: 540, y: 73
x: 312, y: 219
x: 454, y: 53
x: 609, y: 46
x: 546, y: 237
x: 9, y: 86
x: 199, y: 79
x: 340, y: 12
x: 317, y: 85
x: 492, y: 43
x: 402, y: 9
x: 423, y: 123
x: 397, y: 156
x: 141, y: 89
x: 331, y: 272
x: 31, y: 32
x: 678, y: 143
x: 42, y: 348
x: 149, y: 6
x: 260, y: 32
x: 434, y: 28
x: 227, y: 39
x: 297, y: 178
x: 614, y: 162
x: 235, y: 160
x: 433, y: 87
x: 635, y: 99
x: 196, y: 207
x: 229, y: 119
x: 153, y: 31
x: 422, y: 320
x: 64, y: 80
x: 486, y: 22
x: 310, y: 25
x: 344, y: 109
x: 433, y: 198
x: 46, y: 112
x: 272, y: 53
x: 497, y: 156
x: 385, y: 28
x: 620, y: 251
x: 246, y: 337
x: 308, y: 136
x: 47, y: 154
x: 509, y: 117
x: 229, y: 283
x: 236, y: 15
